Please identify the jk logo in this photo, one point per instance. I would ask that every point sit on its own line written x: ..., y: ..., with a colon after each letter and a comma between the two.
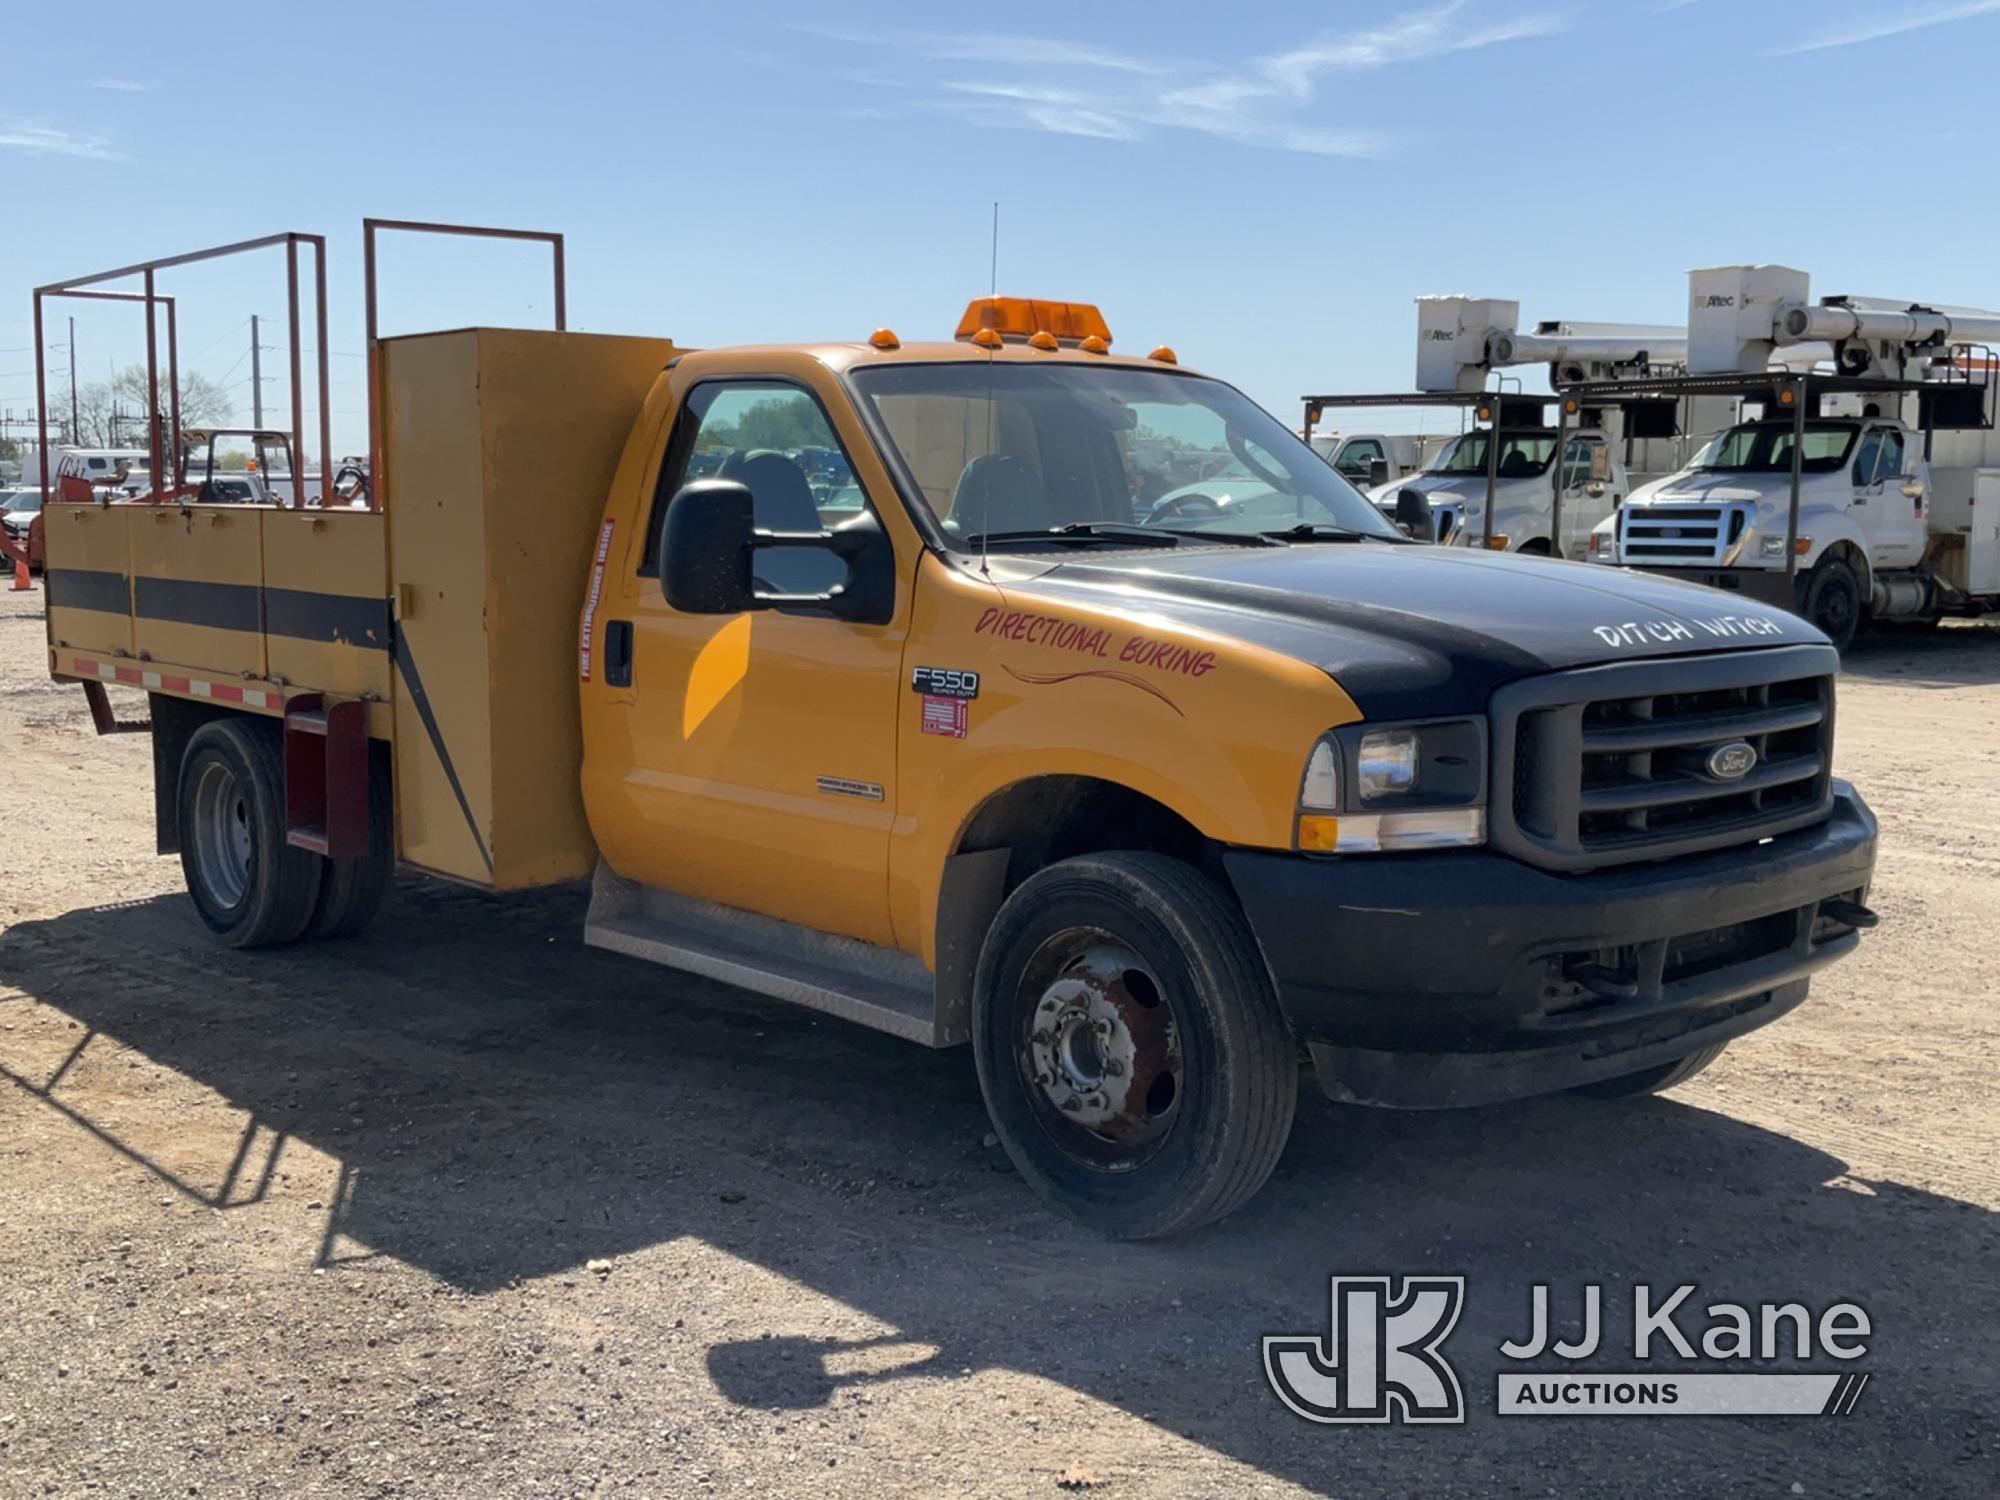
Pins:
x: 1382, y: 1363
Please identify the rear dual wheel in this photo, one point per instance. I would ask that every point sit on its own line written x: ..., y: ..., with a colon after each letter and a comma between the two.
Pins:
x: 250, y: 886
x: 1130, y: 1049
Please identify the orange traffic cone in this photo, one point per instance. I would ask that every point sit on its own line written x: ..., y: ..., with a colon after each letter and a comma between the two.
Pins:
x: 22, y: 583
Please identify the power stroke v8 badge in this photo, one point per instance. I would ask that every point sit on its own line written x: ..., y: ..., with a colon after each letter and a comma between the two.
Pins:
x: 947, y: 695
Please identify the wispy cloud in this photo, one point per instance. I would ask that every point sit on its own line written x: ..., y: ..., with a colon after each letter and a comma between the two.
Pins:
x: 1895, y: 22
x: 46, y: 140
x: 1262, y: 101
x: 999, y: 48
x: 122, y: 85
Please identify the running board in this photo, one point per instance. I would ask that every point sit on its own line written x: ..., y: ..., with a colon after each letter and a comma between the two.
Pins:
x: 844, y: 977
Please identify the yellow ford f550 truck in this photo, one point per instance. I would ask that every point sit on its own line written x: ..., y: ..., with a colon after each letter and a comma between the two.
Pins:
x: 1003, y: 690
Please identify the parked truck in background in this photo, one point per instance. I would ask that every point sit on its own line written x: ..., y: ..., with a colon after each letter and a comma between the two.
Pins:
x: 1551, y: 481
x: 1869, y: 491
x: 1149, y: 798
x: 1365, y: 459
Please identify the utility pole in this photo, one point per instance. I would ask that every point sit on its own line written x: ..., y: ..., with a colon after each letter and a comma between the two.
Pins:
x: 75, y: 420
x: 256, y: 378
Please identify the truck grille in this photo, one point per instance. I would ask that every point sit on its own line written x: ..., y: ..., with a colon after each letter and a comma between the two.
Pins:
x: 1607, y: 765
x: 1691, y: 534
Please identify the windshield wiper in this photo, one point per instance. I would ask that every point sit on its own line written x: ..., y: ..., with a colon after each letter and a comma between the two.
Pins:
x: 1081, y: 531
x: 1319, y: 531
x: 1233, y: 538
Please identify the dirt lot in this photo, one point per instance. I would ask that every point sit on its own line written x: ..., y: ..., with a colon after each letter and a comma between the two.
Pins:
x: 463, y: 1209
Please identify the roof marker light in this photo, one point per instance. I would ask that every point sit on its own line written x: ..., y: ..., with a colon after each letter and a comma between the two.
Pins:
x: 1164, y: 355
x: 1043, y: 339
x: 1095, y: 345
x: 885, y: 338
x: 988, y: 338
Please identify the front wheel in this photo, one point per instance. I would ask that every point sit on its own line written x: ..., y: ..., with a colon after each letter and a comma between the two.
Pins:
x: 1832, y: 601
x: 1130, y: 1049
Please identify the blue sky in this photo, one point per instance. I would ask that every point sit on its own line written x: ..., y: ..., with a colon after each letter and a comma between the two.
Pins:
x: 1266, y: 187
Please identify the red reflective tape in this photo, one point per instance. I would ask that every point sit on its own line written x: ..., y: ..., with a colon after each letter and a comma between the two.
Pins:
x: 176, y: 685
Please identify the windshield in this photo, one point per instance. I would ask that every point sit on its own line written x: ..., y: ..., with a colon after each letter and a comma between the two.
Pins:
x: 1522, y: 454
x: 1766, y: 448
x: 1001, y: 448
x: 30, y: 500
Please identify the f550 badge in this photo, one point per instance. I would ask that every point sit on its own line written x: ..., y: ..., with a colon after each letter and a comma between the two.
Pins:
x: 944, y: 682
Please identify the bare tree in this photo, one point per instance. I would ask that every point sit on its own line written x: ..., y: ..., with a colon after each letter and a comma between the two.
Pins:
x: 112, y: 414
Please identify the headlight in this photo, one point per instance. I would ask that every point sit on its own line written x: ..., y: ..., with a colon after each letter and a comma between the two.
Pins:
x: 1386, y: 764
x: 1774, y: 546
x: 1370, y: 789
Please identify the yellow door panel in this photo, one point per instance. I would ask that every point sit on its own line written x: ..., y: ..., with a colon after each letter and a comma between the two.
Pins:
x: 763, y: 756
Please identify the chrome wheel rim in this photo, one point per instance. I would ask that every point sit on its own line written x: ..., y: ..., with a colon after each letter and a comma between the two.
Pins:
x: 1099, y: 1047
x: 221, y: 834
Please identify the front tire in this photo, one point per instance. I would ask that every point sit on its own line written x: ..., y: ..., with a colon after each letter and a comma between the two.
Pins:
x: 1654, y: 1080
x: 251, y: 887
x: 1129, y: 1046
x: 1832, y: 601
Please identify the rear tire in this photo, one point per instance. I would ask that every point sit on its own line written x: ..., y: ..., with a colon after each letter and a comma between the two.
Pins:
x: 351, y: 890
x: 1130, y: 1049
x: 249, y: 885
x: 1654, y: 1080
x: 1832, y: 601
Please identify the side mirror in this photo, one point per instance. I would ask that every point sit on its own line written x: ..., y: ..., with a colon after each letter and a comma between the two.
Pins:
x: 1378, y: 471
x: 1413, y: 514
x: 704, y: 559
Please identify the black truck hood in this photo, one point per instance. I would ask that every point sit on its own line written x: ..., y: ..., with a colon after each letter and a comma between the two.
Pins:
x: 1410, y: 631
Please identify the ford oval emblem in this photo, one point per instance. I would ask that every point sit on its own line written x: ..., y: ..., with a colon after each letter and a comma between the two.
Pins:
x: 1731, y: 762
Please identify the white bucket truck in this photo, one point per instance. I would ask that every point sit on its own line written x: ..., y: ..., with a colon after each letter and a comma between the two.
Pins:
x: 1499, y: 484
x: 1864, y: 489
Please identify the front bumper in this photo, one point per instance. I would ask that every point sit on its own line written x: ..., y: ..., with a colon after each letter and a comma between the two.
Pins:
x: 1765, y: 585
x: 1429, y: 981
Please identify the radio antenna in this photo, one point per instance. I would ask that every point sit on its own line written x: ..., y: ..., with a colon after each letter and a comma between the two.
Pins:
x: 992, y: 421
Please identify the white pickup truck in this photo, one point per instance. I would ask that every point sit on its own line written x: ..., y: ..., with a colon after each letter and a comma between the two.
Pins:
x: 1863, y: 522
x: 1453, y: 487
x: 1371, y: 458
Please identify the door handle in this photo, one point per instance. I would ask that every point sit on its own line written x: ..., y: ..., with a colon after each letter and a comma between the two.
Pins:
x: 618, y: 653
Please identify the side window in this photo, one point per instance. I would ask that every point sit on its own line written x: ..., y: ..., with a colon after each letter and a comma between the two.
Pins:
x: 774, y: 438
x: 1890, y: 466
x: 1864, y: 456
x: 1579, y: 460
x: 1357, y: 456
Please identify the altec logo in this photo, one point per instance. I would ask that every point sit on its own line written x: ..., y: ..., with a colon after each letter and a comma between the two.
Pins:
x: 1382, y: 1363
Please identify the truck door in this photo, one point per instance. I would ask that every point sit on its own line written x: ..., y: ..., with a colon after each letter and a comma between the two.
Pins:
x: 760, y: 747
x: 1589, y: 494
x: 1892, y: 521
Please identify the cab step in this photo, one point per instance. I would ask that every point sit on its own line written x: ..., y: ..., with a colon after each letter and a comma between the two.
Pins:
x: 873, y: 986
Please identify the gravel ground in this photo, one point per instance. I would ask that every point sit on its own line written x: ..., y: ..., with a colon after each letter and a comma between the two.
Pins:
x: 465, y: 1209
